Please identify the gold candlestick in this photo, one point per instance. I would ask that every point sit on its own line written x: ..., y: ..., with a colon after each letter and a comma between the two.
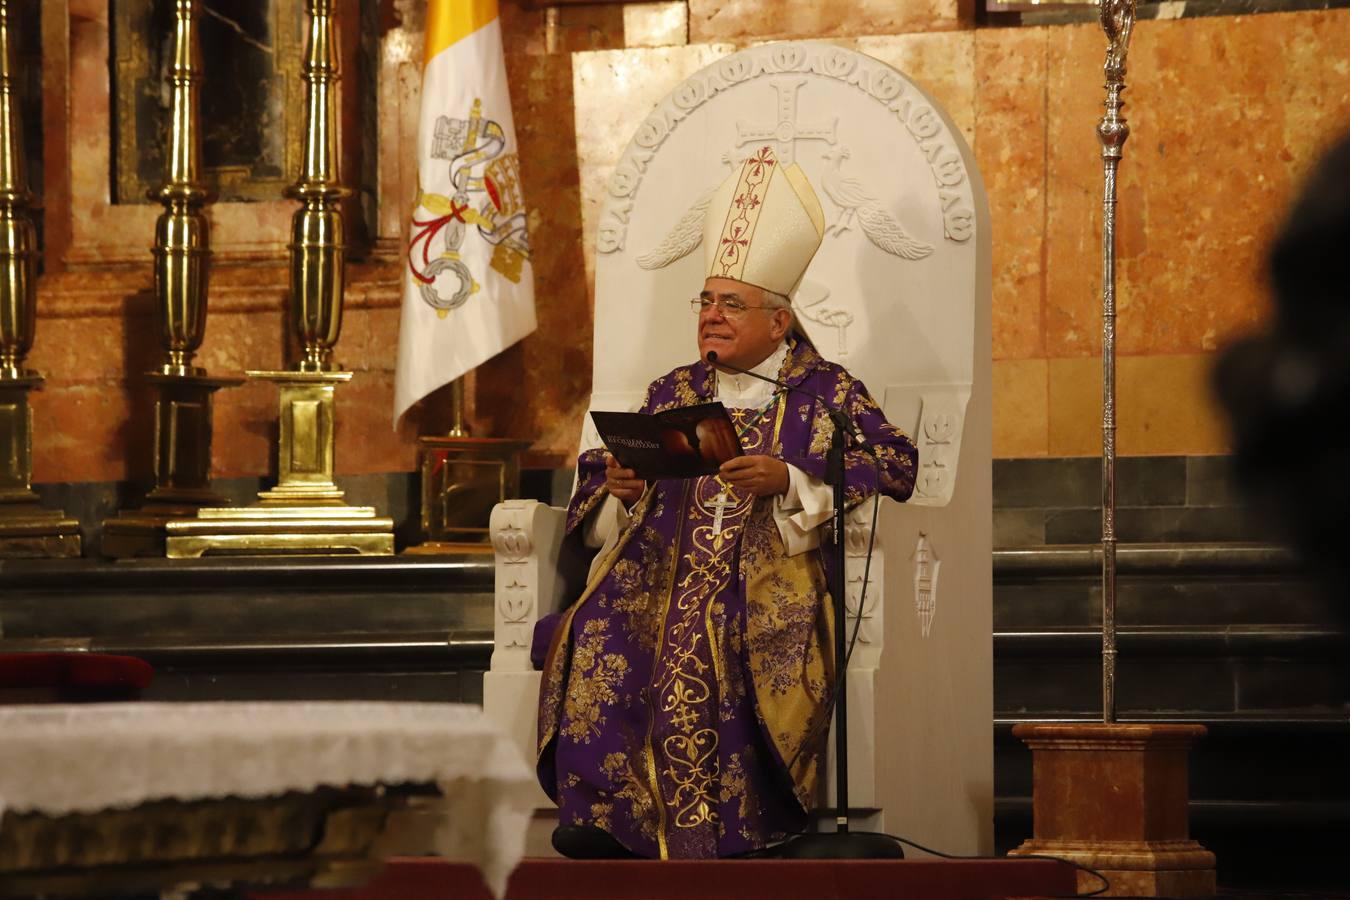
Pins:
x: 182, y: 445
x: 26, y: 529
x: 305, y: 512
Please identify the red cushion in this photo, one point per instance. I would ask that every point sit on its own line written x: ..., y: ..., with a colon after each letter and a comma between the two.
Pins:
x: 73, y: 670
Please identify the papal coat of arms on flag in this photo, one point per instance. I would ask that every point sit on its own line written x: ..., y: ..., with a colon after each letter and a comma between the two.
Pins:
x: 468, y: 284
x: 486, y: 205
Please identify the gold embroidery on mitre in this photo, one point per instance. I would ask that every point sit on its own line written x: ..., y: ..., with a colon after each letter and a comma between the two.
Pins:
x: 747, y: 203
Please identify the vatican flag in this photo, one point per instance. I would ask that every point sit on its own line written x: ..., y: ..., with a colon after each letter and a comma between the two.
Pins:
x: 469, y: 288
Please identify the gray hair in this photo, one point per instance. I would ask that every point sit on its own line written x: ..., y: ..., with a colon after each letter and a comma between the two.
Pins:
x: 781, y: 301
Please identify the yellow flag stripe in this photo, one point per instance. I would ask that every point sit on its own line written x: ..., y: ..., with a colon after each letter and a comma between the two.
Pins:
x: 450, y: 21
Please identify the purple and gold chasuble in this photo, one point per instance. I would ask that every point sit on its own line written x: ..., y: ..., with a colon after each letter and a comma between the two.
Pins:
x: 685, y: 696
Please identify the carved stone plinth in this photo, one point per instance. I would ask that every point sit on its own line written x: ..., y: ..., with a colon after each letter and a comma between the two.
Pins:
x: 1114, y: 797
x: 26, y: 529
x: 463, y: 478
x: 305, y: 512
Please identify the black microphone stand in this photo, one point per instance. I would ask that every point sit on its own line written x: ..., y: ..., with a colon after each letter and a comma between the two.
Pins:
x: 841, y: 843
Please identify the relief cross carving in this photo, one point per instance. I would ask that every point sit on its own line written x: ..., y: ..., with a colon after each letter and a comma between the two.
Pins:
x: 786, y: 132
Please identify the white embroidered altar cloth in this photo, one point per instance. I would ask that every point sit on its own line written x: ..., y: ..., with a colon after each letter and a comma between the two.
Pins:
x: 61, y: 759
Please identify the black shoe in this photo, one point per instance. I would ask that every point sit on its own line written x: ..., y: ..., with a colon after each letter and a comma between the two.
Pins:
x: 589, y: 842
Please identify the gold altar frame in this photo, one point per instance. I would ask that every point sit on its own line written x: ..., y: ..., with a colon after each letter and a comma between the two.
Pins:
x: 77, y: 116
x: 132, y: 62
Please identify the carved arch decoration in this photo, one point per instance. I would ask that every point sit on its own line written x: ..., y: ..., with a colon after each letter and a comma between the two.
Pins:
x: 879, y: 81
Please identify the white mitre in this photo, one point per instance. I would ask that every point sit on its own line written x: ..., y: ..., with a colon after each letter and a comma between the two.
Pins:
x: 763, y: 225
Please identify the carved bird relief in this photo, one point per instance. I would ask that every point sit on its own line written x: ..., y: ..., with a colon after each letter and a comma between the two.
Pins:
x: 687, y: 233
x: 682, y: 240
x: 856, y: 201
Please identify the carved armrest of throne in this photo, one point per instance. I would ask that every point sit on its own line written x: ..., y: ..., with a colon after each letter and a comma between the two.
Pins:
x: 535, y: 576
x: 527, y: 541
x: 531, y: 580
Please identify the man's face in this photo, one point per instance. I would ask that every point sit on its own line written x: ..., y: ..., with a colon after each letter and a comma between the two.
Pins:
x: 739, y: 324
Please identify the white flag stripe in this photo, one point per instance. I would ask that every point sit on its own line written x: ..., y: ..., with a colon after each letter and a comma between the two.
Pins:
x: 468, y: 284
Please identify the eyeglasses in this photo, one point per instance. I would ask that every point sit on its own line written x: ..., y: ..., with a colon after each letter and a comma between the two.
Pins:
x: 731, y: 309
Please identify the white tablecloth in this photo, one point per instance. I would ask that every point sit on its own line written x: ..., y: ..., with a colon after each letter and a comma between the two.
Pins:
x: 61, y: 759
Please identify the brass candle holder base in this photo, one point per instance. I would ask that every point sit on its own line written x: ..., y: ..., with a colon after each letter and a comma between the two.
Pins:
x: 305, y: 513
x: 182, y: 466
x: 462, y: 479
x: 27, y: 530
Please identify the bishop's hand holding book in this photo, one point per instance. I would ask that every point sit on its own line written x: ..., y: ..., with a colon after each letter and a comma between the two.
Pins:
x: 685, y: 442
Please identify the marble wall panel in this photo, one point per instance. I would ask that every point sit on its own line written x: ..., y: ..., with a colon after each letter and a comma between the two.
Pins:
x: 97, y: 336
x: 1315, y: 93
x: 82, y: 431
x: 1072, y: 251
x: 576, y: 27
x: 1206, y: 179
x: 1010, y: 146
x: 1163, y: 406
x: 246, y: 431
x: 239, y: 341
x: 1223, y: 123
x: 662, y: 24
x: 1021, y: 407
x: 89, y: 348
x: 366, y: 439
x: 746, y: 21
x: 614, y: 92
x: 943, y: 64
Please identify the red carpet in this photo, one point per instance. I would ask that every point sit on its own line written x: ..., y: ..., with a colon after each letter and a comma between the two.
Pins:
x: 418, y: 879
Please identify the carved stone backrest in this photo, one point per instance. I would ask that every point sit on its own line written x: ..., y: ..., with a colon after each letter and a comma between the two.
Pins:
x: 893, y: 291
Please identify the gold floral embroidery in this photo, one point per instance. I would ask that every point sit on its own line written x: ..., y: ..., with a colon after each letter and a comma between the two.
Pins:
x: 637, y: 587
x: 600, y: 815
x: 690, y: 655
x: 732, y: 683
x: 735, y: 784
x: 595, y: 674
x: 633, y: 788
x: 788, y: 626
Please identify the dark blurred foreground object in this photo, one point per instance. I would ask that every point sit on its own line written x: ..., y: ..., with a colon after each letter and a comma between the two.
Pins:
x: 71, y: 677
x: 1287, y: 391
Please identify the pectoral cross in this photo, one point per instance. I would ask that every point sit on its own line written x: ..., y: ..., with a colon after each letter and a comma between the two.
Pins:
x: 720, y: 504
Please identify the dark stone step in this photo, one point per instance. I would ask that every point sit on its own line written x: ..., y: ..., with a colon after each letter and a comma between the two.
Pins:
x: 214, y: 600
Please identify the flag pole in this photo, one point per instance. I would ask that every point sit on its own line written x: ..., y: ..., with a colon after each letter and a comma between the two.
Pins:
x: 470, y: 290
x: 459, y: 428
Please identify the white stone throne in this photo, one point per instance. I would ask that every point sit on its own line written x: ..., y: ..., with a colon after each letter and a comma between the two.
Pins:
x: 900, y: 294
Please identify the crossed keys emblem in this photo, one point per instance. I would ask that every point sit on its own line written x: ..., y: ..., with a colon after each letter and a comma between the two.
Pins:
x: 485, y: 195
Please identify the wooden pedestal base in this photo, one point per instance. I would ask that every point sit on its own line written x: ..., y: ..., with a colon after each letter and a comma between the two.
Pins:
x: 1114, y: 798
x: 463, y: 478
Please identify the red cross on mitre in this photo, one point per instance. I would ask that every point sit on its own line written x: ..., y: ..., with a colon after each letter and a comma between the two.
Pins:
x: 747, y: 201
x: 765, y: 157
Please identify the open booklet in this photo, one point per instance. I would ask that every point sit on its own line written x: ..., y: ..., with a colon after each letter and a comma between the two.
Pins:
x: 677, y: 443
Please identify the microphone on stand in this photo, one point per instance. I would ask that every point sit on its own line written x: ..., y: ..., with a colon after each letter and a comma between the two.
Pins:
x: 841, y: 843
x: 840, y: 418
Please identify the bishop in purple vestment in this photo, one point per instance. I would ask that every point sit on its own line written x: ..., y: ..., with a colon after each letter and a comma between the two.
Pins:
x: 686, y: 693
